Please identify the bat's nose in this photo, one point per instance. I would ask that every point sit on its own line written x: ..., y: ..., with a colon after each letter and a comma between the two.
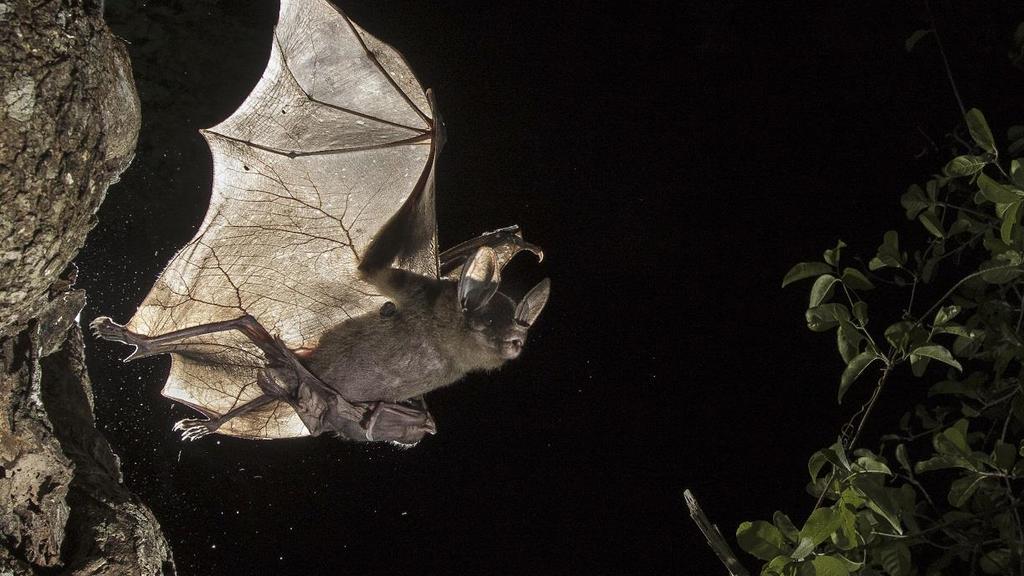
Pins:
x: 511, y: 347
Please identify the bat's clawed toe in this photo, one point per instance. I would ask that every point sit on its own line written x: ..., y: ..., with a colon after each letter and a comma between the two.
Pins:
x: 193, y: 429
x: 105, y: 328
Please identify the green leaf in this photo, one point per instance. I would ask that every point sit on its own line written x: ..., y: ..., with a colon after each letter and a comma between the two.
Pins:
x: 965, y: 165
x: 1016, y: 173
x: 889, y: 255
x: 1002, y: 269
x: 995, y: 192
x: 899, y: 334
x: 895, y: 558
x: 1004, y: 455
x: 826, y: 316
x: 805, y: 270
x: 760, y: 539
x: 880, y: 500
x: 805, y: 547
x: 871, y: 464
x: 943, y: 462
x: 960, y: 225
x: 936, y: 352
x: 903, y: 458
x: 996, y: 561
x: 848, y: 340
x: 856, y: 279
x: 786, y: 526
x: 779, y: 566
x: 961, y: 490
x: 958, y: 330
x: 945, y: 314
x: 845, y: 537
x: 916, y: 37
x: 1009, y: 222
x: 852, y: 498
x: 834, y: 454
x: 819, y: 526
x: 1015, y: 134
x: 1010, y: 257
x: 816, y: 462
x: 822, y: 290
x: 953, y: 440
x: 829, y: 566
x: 906, y: 500
x: 931, y: 223
x: 919, y: 365
x: 914, y: 201
x: 832, y: 255
x: 979, y: 130
x: 854, y: 369
x: 965, y: 388
x: 860, y: 312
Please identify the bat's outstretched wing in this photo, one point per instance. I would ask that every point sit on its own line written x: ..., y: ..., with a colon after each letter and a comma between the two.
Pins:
x: 335, y: 138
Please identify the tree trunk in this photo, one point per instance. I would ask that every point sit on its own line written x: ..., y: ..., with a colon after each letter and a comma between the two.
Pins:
x: 69, y: 118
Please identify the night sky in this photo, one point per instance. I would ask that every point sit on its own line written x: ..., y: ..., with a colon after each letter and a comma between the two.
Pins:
x: 674, y: 160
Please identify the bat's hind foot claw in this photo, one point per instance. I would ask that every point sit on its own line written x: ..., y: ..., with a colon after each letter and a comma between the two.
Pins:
x: 193, y: 429
x: 105, y: 328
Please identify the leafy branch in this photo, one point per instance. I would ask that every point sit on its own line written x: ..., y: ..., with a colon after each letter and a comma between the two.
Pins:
x: 874, y: 512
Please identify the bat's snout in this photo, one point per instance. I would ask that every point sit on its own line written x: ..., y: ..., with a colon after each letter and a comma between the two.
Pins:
x: 512, y: 347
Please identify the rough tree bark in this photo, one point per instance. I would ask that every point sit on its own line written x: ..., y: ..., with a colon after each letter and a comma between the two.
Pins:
x: 69, y: 118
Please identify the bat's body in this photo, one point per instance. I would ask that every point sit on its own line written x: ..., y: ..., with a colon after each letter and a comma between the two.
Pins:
x: 423, y: 345
x: 313, y: 299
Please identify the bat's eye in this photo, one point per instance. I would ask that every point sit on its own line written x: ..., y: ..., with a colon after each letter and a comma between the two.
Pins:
x: 490, y: 321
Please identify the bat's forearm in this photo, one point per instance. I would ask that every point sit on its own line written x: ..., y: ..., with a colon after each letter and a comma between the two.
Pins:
x: 506, y: 241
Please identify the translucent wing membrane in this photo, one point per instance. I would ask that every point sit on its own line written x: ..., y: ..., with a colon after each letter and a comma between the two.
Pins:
x: 335, y: 138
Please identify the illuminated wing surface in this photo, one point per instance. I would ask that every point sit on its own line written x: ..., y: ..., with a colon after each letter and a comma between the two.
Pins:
x: 334, y: 139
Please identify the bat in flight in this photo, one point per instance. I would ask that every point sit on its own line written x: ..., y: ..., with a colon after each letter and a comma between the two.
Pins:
x: 313, y: 298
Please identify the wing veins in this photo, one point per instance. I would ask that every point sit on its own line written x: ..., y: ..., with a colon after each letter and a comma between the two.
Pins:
x: 288, y: 69
x: 292, y: 154
x: 380, y: 67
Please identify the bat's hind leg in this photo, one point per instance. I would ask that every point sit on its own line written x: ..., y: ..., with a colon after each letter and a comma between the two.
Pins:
x: 105, y: 328
x: 193, y: 429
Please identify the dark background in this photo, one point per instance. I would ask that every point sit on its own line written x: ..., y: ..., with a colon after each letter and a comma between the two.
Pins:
x: 674, y: 160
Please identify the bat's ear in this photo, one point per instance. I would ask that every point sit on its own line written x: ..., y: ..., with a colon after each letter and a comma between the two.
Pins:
x: 531, y: 305
x: 479, y: 280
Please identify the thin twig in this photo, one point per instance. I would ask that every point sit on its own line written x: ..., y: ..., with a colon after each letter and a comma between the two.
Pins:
x: 1020, y: 302
x: 957, y: 285
x: 968, y: 211
x: 871, y: 404
x: 921, y: 488
x: 1019, y: 526
x: 714, y: 537
x: 945, y: 61
x: 866, y: 410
